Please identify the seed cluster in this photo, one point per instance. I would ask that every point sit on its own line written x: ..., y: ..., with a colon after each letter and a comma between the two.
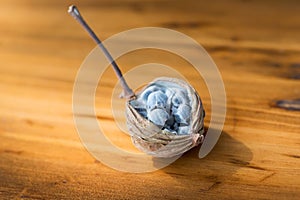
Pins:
x: 167, y: 106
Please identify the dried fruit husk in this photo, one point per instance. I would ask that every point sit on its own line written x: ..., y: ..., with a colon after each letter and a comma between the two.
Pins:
x: 158, y: 142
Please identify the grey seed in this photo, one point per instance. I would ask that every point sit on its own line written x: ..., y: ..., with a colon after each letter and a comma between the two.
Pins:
x: 183, y: 130
x: 175, y: 126
x: 145, y: 94
x: 158, y: 117
x: 174, y: 109
x: 183, y: 114
x: 179, y: 98
x: 156, y: 100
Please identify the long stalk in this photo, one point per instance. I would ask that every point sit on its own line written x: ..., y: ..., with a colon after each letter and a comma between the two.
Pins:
x: 127, y: 92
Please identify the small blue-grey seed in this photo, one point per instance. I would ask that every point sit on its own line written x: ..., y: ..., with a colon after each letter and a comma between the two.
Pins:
x: 157, y: 99
x: 183, y: 130
x: 183, y: 114
x: 158, y: 117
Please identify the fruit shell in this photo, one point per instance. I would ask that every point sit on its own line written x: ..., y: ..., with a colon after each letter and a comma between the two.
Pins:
x: 154, y: 141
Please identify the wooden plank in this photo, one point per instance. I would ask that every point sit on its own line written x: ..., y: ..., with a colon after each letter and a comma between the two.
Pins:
x: 256, y: 45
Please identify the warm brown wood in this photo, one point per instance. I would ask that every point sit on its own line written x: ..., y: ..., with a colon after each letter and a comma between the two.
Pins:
x: 256, y: 45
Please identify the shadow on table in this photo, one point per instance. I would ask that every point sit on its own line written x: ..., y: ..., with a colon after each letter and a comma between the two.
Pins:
x: 221, y: 163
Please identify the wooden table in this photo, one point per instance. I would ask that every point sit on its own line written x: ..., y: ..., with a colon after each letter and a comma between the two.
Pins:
x: 255, y: 44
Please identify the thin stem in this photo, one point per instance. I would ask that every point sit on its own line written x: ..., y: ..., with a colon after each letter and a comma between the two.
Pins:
x: 127, y: 92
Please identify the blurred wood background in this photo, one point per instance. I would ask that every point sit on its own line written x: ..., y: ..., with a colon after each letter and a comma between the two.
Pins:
x: 255, y: 44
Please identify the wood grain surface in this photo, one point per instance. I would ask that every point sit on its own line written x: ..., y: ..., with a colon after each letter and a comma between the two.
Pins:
x: 255, y: 44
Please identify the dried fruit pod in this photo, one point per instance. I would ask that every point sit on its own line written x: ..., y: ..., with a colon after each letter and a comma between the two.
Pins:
x: 147, y: 136
x: 154, y: 140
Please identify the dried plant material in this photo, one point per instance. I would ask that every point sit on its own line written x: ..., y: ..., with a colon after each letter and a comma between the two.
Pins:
x: 166, y: 118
